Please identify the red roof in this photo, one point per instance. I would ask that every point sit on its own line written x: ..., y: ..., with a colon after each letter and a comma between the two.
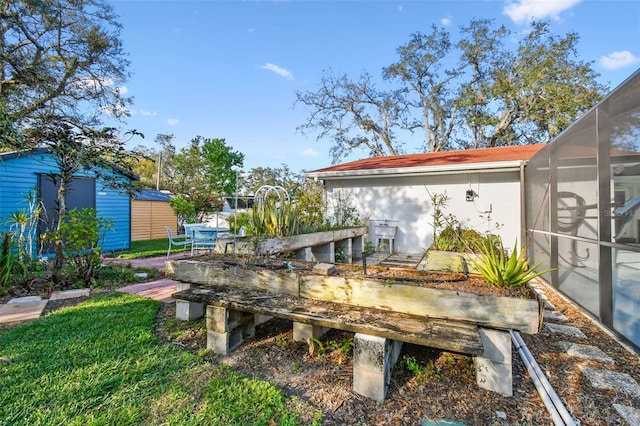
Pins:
x: 444, y: 158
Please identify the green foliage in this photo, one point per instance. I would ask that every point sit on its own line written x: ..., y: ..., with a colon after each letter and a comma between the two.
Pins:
x: 66, y: 56
x: 460, y: 240
x: 274, y: 218
x: 10, y: 266
x: 505, y: 271
x: 369, y: 248
x: 422, y: 373
x: 239, y: 220
x: 147, y: 248
x: 81, y: 235
x: 25, y: 223
x: 115, y: 275
x: 311, y: 207
x: 194, y: 208
x: 203, y: 174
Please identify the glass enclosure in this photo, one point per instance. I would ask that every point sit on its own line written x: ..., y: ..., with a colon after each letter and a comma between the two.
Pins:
x: 583, y: 210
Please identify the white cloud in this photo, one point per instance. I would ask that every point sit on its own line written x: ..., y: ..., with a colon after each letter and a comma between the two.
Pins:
x: 123, y: 90
x: 148, y: 113
x: 251, y: 30
x: 400, y: 9
x: 524, y: 11
x: 173, y: 121
x: 617, y: 60
x: 446, y: 21
x: 282, y: 72
x: 309, y: 152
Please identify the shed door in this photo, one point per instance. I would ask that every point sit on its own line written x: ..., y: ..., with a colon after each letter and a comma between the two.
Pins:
x: 81, y: 194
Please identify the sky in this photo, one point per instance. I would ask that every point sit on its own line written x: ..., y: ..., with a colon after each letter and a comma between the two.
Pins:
x: 231, y: 69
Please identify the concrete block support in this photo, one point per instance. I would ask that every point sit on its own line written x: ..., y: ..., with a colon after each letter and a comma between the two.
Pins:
x: 304, y: 332
x: 357, y: 247
x: 374, y: 358
x: 304, y: 254
x: 347, y: 251
x: 494, y: 369
x: 324, y: 253
x: 227, y: 329
x: 188, y: 311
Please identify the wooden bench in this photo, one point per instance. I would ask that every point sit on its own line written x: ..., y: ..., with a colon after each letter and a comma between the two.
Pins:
x: 382, y: 316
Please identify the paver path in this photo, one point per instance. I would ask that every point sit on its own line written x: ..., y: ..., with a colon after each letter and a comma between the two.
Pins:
x: 31, y: 307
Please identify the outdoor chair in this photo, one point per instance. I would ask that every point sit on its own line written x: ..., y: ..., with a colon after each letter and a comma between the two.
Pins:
x: 177, y: 240
x: 204, y: 238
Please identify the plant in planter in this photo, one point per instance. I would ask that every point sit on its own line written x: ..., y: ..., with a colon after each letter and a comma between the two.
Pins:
x: 505, y: 271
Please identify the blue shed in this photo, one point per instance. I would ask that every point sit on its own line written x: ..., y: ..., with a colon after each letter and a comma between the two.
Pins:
x: 28, y: 173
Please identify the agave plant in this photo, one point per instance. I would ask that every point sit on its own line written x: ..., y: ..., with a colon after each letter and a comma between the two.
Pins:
x: 506, y: 271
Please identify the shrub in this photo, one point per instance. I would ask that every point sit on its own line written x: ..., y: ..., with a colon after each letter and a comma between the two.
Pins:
x: 83, y: 234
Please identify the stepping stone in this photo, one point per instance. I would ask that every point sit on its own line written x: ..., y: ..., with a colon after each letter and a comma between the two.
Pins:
x: 555, y: 316
x: 612, y: 380
x: 586, y: 352
x: 565, y: 329
x: 22, y: 310
x: 549, y: 306
x: 629, y: 414
x: 160, y: 290
x: 25, y: 299
x: 70, y: 294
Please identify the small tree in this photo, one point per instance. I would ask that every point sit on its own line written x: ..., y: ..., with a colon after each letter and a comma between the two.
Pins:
x: 81, y: 236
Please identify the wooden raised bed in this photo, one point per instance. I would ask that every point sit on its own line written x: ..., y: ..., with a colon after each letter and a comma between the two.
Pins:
x: 297, y: 242
x: 498, y: 312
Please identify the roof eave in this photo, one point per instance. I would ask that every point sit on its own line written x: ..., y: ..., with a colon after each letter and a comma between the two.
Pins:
x: 496, y: 166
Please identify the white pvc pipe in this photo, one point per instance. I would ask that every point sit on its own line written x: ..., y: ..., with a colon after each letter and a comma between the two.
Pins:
x: 559, y: 413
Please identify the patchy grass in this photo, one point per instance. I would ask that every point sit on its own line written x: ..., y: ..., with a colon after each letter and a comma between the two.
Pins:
x: 100, y: 363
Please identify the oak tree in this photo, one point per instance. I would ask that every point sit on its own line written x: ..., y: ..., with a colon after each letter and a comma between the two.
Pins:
x: 61, y: 58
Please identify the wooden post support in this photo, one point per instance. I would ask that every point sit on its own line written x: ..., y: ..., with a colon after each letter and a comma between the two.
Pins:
x: 227, y: 329
x: 373, y: 361
x: 493, y: 368
x: 188, y: 311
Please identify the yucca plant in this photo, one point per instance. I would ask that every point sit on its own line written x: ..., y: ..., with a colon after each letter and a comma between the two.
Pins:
x: 505, y: 271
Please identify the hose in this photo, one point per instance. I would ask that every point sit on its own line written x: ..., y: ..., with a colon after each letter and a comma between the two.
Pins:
x: 559, y: 413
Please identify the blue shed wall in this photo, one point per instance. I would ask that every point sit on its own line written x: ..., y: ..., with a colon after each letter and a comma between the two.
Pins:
x: 19, y: 175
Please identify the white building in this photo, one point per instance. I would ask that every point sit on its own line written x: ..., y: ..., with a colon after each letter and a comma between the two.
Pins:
x: 484, y: 188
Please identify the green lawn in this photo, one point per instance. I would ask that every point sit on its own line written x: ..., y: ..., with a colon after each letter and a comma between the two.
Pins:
x: 148, y: 248
x: 100, y: 363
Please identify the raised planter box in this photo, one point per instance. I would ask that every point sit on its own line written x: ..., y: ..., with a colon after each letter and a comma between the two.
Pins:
x: 437, y: 260
x: 297, y: 242
x: 505, y: 313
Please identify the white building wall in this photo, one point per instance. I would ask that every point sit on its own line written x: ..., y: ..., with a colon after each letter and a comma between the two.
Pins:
x: 405, y: 202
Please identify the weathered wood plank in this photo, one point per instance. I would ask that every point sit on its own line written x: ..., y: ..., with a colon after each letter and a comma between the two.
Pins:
x: 488, y: 311
x: 296, y: 242
x: 437, y: 333
x: 233, y: 276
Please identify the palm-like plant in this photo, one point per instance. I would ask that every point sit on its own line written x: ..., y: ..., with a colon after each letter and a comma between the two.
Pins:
x: 505, y: 271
